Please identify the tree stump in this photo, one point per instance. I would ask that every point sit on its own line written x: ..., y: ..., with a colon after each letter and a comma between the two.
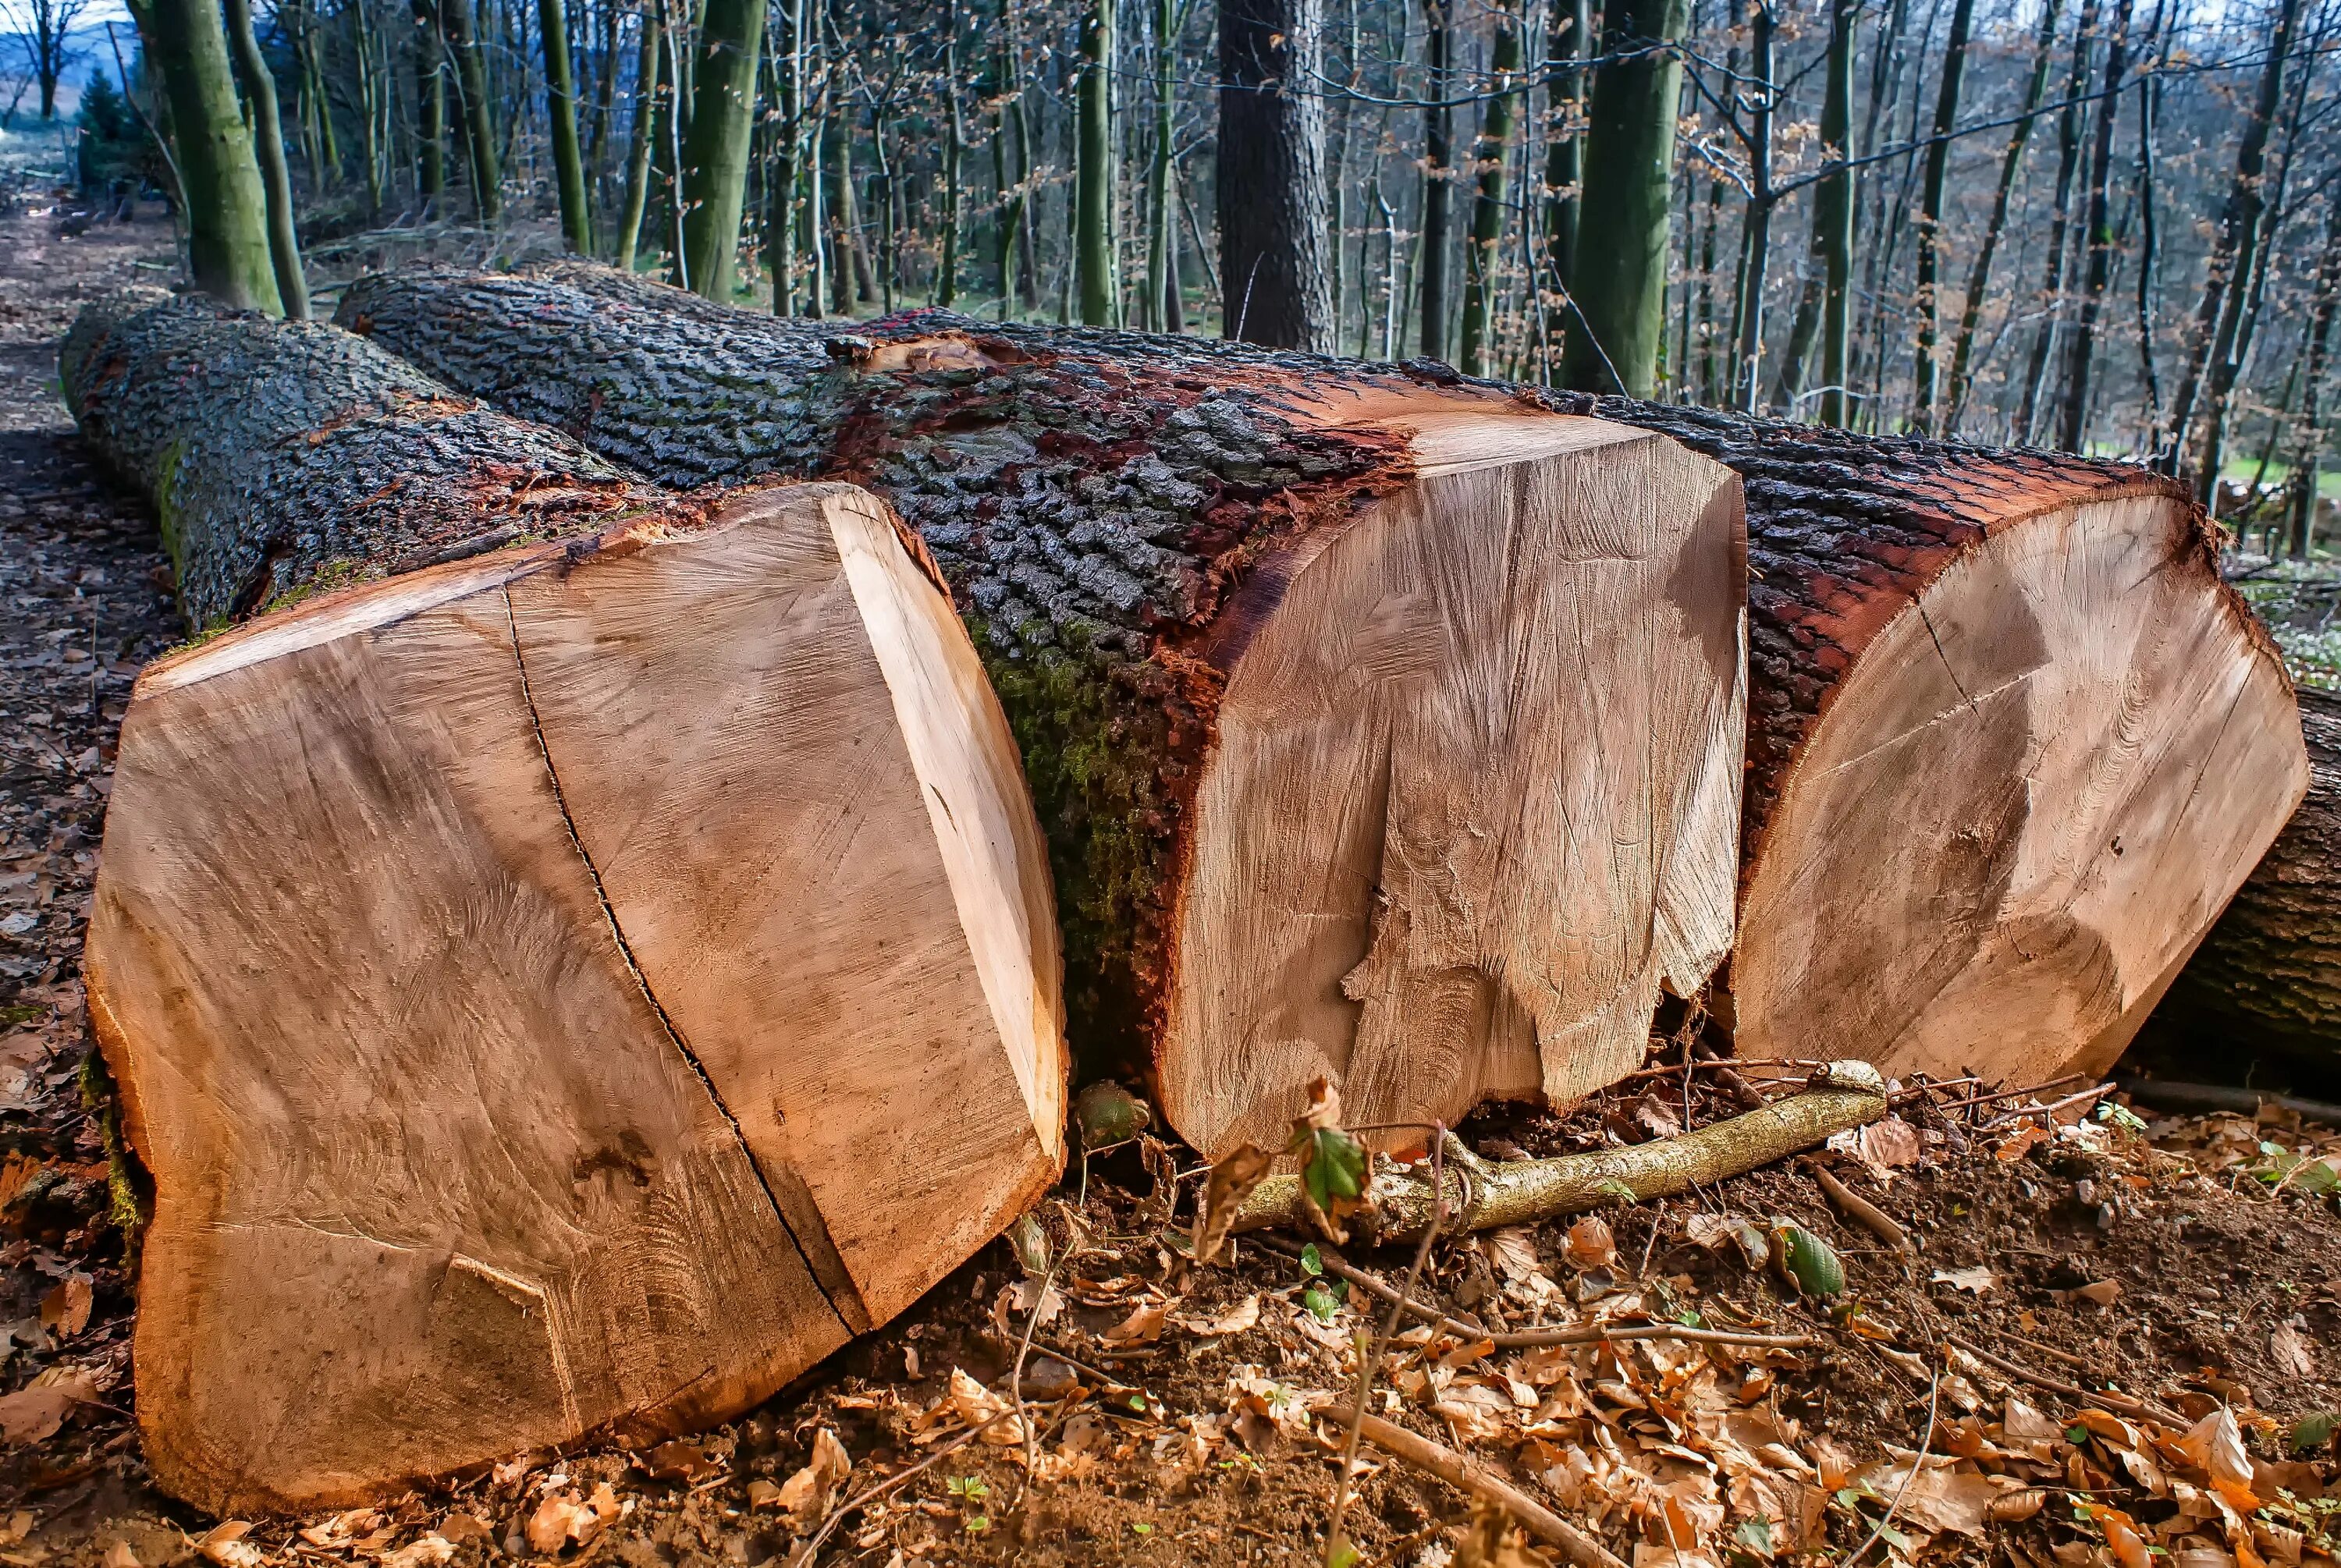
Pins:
x: 2012, y: 747
x: 1383, y: 731
x: 576, y: 958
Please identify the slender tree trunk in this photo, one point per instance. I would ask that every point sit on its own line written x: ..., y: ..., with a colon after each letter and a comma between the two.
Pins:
x: 430, y: 109
x: 1979, y: 273
x: 2074, y: 426
x: 373, y: 83
x: 1568, y: 44
x: 649, y: 69
x: 1438, y: 177
x: 1488, y: 158
x: 2309, y: 449
x: 472, y: 92
x: 561, y: 106
x: 1161, y: 224
x: 715, y: 172
x: 1756, y: 224
x: 1931, y: 216
x: 2235, y: 245
x: 268, y: 150
x: 2150, y: 252
x: 1620, y: 267
x: 227, y: 209
x: 1094, y: 274
x: 788, y: 163
x: 954, y: 151
x: 2052, y: 287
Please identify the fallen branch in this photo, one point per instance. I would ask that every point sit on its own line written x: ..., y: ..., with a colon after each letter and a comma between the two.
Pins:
x: 1483, y: 1195
x: 1860, y: 1210
x: 2164, y: 1094
x: 1467, y: 1475
x: 2120, y: 1405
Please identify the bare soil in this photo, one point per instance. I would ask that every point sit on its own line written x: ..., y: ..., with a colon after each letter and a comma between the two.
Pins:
x: 2191, y: 1264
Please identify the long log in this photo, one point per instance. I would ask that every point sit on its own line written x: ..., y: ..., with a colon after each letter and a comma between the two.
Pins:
x: 1382, y: 730
x: 2012, y: 745
x: 2268, y: 976
x: 537, y: 940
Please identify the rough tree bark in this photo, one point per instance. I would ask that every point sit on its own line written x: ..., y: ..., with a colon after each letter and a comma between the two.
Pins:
x: 1275, y: 238
x: 1248, y: 614
x: 456, y: 948
x: 2268, y: 976
x: 2012, y: 745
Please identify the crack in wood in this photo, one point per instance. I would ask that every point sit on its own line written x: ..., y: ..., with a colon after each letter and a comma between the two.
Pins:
x: 821, y: 1259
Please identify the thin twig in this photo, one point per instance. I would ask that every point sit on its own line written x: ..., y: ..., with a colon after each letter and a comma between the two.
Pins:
x: 805, y: 1554
x: 2120, y: 1405
x: 1537, y: 1338
x: 1934, y: 1395
x: 2087, y: 1096
x: 1371, y: 1364
x: 1999, y: 1096
x: 1462, y: 1473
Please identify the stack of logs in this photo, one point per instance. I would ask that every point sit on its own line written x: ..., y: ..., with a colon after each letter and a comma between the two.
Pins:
x: 600, y: 916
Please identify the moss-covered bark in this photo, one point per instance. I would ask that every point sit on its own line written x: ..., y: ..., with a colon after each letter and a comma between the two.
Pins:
x: 284, y: 458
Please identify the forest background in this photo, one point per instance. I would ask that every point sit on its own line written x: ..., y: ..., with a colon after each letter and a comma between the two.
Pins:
x: 2103, y: 225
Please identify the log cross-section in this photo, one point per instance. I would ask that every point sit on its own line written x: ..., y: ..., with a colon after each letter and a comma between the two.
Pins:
x: 571, y: 987
x: 2012, y: 745
x: 1381, y: 730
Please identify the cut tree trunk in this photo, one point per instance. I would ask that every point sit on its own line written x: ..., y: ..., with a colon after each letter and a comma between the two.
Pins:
x: 2012, y: 747
x: 1381, y: 730
x: 2269, y: 977
x: 533, y: 952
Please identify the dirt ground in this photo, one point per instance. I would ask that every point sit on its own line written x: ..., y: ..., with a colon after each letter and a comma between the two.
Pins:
x: 2128, y: 1332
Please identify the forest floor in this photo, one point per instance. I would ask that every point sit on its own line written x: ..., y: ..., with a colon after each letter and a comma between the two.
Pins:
x: 2114, y: 1339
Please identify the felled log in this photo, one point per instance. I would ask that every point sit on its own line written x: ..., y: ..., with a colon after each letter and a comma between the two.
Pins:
x: 578, y: 956
x: 1382, y: 731
x: 2012, y: 747
x: 2268, y: 976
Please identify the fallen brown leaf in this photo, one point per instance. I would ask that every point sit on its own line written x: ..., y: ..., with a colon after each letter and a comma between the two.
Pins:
x: 34, y: 1412
x: 1231, y: 1182
x: 1590, y: 1244
x: 808, y: 1494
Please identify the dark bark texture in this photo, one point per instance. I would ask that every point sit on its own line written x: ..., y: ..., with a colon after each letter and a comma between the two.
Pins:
x: 287, y: 457
x: 1095, y: 500
x: 1274, y: 239
x: 2268, y: 976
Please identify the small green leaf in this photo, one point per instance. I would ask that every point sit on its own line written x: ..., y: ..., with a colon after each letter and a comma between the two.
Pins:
x: 2122, y: 1116
x: 1312, y: 1262
x: 977, y: 1524
x: 1138, y: 1400
x: 1806, y: 1262
x: 1333, y: 1168
x: 1319, y: 1301
x: 2314, y: 1431
x: 1754, y: 1535
x: 1140, y: 1527
x: 1343, y: 1555
x: 2079, y: 1437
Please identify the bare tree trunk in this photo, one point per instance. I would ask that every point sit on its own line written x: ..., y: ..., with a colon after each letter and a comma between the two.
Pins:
x: 649, y: 74
x: 1979, y: 274
x: 1570, y: 43
x: 1620, y: 267
x: 2309, y: 450
x: 1437, y: 176
x: 1274, y: 211
x: 429, y: 109
x: 2052, y: 287
x: 1488, y: 158
x: 2235, y: 248
x: 1756, y: 223
x: 1096, y: 277
x: 1161, y: 224
x: 268, y: 149
x: 227, y: 216
x: 1930, y: 217
x: 2100, y: 239
x: 461, y: 29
